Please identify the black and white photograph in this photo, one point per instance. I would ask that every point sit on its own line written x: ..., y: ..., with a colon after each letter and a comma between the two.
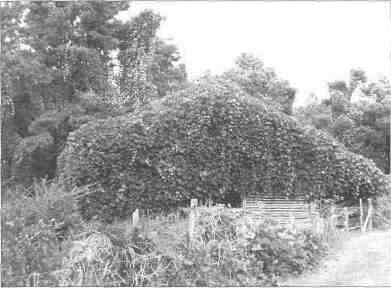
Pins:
x: 195, y: 143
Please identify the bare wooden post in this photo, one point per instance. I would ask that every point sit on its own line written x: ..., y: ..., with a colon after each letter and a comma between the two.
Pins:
x: 361, y: 216
x: 332, y: 210
x: 135, y: 218
x: 244, y: 205
x: 319, y: 223
x: 312, y: 213
x: 346, y: 218
x: 370, y: 213
x: 291, y: 221
x: 368, y: 220
x: 332, y: 216
x: 192, y: 218
x: 333, y: 220
x: 210, y: 202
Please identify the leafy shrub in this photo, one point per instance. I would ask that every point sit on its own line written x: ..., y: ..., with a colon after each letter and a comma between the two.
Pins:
x: 240, y: 254
x: 234, y: 254
x: 9, y: 141
x: 34, y: 157
x: 53, y: 127
x: 48, y: 122
x: 342, y: 125
x: 75, y: 122
x: 58, y: 123
x: 382, y: 207
x: 55, y: 123
x: 208, y: 141
x: 35, y: 233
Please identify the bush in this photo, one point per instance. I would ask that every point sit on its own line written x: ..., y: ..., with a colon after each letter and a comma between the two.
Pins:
x: 35, y: 233
x: 382, y: 208
x: 208, y: 141
x: 53, y: 127
x: 34, y: 157
x: 246, y: 254
x: 227, y: 252
x: 9, y: 141
x: 75, y: 122
x: 50, y: 122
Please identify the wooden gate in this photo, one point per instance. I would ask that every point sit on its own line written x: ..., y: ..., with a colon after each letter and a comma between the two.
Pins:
x: 283, y: 211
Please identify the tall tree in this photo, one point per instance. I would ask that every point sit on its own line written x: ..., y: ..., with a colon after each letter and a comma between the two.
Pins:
x: 136, y: 50
x: 167, y: 73
x: 357, y: 78
x: 59, y: 56
x: 358, y: 115
x: 262, y: 82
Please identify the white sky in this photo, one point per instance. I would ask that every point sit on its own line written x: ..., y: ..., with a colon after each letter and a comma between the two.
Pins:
x: 307, y: 43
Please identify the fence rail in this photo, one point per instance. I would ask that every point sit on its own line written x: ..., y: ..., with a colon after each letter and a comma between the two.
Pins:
x: 295, y: 213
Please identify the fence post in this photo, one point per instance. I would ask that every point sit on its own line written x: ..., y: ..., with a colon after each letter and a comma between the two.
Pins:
x: 370, y: 213
x: 192, y: 218
x: 333, y: 220
x: 312, y: 212
x: 244, y: 204
x: 134, y: 222
x: 361, y: 216
x: 319, y: 223
x: 135, y: 218
x: 368, y: 220
x: 332, y: 216
x: 346, y: 218
x: 291, y: 221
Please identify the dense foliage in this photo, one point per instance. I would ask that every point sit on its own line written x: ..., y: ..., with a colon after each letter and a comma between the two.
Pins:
x: 35, y: 233
x: 262, y: 82
x: 211, y: 140
x: 105, y: 105
x: 46, y: 243
x: 65, y: 51
x: 230, y: 252
x: 34, y: 157
x: 357, y: 115
x: 235, y: 255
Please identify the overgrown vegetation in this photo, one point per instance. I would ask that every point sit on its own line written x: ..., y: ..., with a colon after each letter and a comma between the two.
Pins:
x: 66, y: 55
x: 211, y: 140
x: 105, y: 105
x: 37, y: 228
x: 45, y: 243
x: 382, y: 213
x: 356, y: 114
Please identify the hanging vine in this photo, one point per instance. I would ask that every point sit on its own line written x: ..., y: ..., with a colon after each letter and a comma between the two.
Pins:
x: 135, y: 58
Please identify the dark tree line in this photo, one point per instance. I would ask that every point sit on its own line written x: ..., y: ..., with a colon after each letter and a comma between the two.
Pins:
x: 64, y: 61
x: 64, y: 64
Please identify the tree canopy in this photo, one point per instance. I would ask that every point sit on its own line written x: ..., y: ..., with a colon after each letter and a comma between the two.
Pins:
x: 262, y: 82
x: 55, y: 53
x: 358, y: 115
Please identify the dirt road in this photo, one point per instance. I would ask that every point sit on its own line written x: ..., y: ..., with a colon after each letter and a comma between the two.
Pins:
x: 363, y: 260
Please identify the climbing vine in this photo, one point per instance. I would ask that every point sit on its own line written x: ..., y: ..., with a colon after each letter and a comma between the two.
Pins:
x: 211, y: 140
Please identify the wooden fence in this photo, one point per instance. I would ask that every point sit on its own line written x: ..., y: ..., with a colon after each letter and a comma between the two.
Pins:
x: 283, y: 211
x: 287, y: 212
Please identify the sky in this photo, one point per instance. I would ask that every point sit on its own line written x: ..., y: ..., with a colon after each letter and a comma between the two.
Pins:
x: 308, y: 43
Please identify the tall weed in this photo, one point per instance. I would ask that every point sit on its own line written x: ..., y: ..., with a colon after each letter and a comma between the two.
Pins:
x: 36, y: 226
x: 227, y: 251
